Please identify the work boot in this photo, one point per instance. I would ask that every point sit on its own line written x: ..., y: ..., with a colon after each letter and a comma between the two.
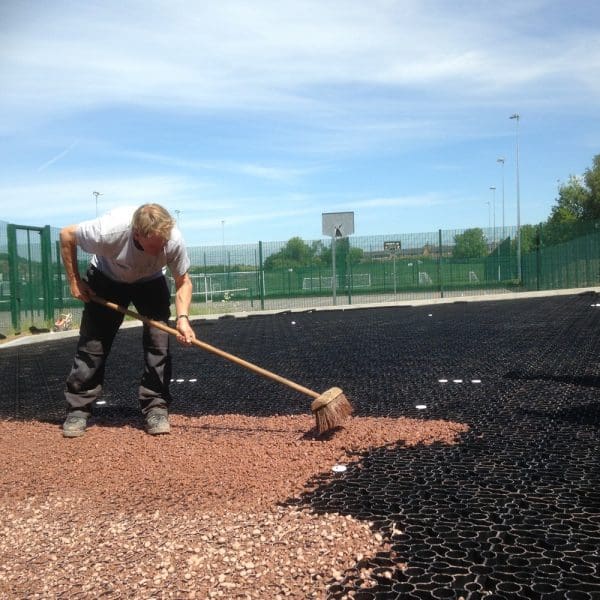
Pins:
x: 157, y: 422
x: 74, y: 425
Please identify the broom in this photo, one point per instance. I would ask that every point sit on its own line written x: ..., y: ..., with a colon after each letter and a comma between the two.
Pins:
x: 329, y: 408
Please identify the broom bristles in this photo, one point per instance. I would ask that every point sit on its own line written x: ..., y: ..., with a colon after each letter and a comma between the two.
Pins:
x: 332, y: 414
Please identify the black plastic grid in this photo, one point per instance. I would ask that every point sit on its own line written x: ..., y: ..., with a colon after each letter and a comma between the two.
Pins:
x: 512, y: 511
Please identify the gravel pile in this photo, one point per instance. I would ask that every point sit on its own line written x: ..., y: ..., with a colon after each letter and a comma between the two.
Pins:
x: 207, y: 512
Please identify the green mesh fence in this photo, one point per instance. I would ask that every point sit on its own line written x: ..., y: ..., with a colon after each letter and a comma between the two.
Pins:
x: 4, y: 281
x: 300, y: 274
x: 563, y: 256
x: 30, y: 272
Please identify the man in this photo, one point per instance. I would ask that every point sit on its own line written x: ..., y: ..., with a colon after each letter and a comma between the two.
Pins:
x: 131, y: 248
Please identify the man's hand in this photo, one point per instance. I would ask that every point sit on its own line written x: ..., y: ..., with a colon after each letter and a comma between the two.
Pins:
x: 81, y: 290
x: 186, y: 333
x: 183, y: 299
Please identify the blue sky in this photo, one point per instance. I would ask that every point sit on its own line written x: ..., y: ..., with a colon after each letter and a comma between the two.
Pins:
x: 253, y: 118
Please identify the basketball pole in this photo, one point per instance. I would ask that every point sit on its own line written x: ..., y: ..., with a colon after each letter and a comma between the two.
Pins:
x: 333, y: 280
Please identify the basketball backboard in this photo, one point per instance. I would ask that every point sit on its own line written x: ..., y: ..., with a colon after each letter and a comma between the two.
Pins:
x: 338, y: 225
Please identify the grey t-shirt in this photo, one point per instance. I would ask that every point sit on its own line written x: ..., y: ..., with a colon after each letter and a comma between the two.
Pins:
x: 110, y: 239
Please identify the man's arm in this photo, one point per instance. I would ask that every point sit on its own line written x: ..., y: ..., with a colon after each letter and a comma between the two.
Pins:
x: 68, y: 251
x: 183, y: 299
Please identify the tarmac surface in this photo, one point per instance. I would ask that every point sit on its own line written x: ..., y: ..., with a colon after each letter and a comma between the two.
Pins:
x: 512, y: 511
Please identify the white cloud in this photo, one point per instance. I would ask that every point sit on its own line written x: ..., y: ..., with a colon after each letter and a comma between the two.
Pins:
x: 403, y: 201
x: 56, y: 158
x: 73, y: 197
x: 275, y: 56
x: 71, y: 200
x: 245, y: 217
x: 259, y: 171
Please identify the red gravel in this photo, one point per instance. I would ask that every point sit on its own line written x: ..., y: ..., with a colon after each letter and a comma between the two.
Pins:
x: 196, y: 514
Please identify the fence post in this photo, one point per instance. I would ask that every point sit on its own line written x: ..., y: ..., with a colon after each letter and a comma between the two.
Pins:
x: 440, y: 263
x: 14, y: 284
x: 59, y: 276
x: 256, y: 277
x: 538, y: 256
x: 46, y: 248
x: 261, y: 272
x: 349, y: 277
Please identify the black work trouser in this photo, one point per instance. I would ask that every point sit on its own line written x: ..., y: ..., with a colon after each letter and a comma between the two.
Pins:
x: 100, y: 324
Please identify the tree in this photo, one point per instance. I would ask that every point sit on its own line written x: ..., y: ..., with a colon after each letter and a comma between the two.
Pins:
x: 579, y: 198
x: 529, y: 238
x: 470, y: 244
x: 343, y: 253
x: 296, y: 253
x: 573, y: 198
x: 578, y: 204
x: 592, y: 184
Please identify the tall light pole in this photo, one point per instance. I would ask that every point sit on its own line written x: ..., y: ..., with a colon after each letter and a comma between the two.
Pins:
x: 501, y: 161
x: 177, y: 213
x: 489, y: 214
x: 517, y: 117
x: 97, y: 194
x: 493, y: 188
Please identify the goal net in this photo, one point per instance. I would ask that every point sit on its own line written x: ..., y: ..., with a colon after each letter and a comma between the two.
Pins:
x: 360, y: 280
x: 424, y: 278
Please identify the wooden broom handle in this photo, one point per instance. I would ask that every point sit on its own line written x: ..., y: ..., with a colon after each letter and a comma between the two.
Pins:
x: 208, y: 347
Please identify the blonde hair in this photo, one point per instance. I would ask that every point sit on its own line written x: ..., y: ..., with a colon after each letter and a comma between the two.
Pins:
x: 153, y: 219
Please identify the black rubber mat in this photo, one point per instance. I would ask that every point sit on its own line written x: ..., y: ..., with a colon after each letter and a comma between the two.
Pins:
x: 512, y: 511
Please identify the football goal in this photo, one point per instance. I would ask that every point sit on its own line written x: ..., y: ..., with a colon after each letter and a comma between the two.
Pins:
x: 360, y: 280
x: 424, y: 278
